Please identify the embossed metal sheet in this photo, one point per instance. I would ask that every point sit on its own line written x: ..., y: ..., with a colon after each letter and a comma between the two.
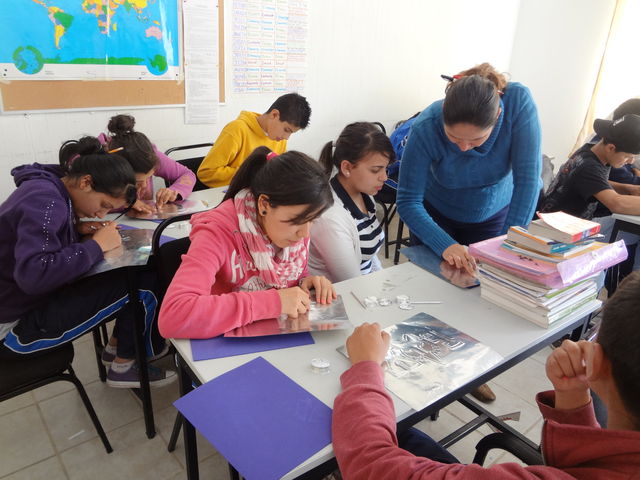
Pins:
x: 427, y: 359
x: 319, y: 317
x: 135, y: 250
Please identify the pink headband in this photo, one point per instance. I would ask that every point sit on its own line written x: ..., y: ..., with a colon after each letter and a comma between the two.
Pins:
x: 73, y: 159
x: 271, y: 155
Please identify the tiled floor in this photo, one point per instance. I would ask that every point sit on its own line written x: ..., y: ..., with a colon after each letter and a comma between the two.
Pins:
x: 47, y: 434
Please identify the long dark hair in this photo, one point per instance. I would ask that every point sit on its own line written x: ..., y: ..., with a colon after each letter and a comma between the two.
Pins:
x: 110, y: 172
x: 355, y: 141
x: 136, y: 147
x: 473, y: 96
x: 292, y: 178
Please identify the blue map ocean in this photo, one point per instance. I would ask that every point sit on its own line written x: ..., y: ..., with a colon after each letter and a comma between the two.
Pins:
x: 125, y: 35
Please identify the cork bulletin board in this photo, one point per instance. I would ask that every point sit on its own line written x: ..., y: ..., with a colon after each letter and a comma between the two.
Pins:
x: 35, y: 95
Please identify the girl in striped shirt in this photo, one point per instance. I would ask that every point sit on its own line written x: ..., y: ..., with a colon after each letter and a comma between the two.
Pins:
x: 345, y: 240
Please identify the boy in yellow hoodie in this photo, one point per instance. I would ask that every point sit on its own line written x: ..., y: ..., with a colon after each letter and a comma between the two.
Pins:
x: 288, y: 114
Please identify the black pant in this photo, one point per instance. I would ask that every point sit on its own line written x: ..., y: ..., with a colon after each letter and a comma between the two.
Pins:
x: 75, y: 309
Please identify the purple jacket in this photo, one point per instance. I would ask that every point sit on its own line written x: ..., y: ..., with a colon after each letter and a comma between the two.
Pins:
x: 40, y: 250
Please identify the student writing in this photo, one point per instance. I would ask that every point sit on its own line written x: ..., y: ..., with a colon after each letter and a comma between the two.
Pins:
x: 43, y: 299
x: 288, y: 114
x: 147, y: 161
x: 248, y: 257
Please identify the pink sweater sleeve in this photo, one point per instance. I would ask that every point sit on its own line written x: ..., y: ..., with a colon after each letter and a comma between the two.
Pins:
x: 182, y: 180
x: 365, y: 443
x: 190, y: 310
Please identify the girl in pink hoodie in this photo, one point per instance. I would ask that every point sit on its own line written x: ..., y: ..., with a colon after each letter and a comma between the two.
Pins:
x: 248, y: 257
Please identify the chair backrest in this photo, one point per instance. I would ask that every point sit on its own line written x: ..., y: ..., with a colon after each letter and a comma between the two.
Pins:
x: 192, y: 163
x: 168, y: 255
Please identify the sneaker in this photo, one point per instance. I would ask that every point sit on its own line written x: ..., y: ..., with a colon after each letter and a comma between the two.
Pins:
x: 484, y: 393
x: 106, y: 358
x: 158, y: 377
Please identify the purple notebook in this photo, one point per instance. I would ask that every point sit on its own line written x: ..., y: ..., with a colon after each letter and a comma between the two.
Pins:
x: 219, y: 347
x: 259, y: 419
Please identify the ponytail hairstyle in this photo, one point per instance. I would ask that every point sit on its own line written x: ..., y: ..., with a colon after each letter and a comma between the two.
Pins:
x: 136, y: 147
x: 291, y: 178
x: 355, y: 141
x: 110, y: 173
x: 473, y: 96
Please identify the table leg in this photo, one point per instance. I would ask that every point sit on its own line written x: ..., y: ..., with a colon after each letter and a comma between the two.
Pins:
x: 141, y: 353
x: 188, y: 430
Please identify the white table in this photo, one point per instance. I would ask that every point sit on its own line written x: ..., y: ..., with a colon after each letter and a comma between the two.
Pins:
x: 512, y: 337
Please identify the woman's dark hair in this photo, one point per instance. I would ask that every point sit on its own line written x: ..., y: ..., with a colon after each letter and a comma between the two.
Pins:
x: 474, y: 97
x: 110, y: 172
x: 355, y: 141
x: 136, y: 147
x: 292, y: 178
x: 619, y: 337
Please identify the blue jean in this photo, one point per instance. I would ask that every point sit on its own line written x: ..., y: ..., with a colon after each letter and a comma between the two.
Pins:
x: 422, y: 445
x: 466, y: 233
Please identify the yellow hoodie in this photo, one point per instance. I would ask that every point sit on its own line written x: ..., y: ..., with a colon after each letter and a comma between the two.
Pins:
x: 234, y: 144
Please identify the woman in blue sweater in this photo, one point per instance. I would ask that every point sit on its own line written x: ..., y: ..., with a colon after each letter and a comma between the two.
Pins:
x: 472, y: 164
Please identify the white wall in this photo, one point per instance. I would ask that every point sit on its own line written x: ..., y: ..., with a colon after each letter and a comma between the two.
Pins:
x: 557, y: 50
x: 381, y: 60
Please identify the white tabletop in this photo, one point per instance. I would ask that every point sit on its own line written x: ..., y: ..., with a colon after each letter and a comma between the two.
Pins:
x: 627, y: 218
x: 506, y: 333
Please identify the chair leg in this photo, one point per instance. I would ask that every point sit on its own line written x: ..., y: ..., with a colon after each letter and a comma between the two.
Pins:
x: 175, y: 433
x: 385, y: 227
x: 396, y: 255
x: 71, y: 376
x: 98, y: 345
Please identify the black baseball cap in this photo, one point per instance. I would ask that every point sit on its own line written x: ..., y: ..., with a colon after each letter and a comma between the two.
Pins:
x: 624, y: 133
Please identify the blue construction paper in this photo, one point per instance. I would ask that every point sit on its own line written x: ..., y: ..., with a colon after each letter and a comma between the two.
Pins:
x: 220, y: 347
x: 259, y: 419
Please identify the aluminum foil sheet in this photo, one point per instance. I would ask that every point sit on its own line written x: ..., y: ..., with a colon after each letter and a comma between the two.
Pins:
x: 428, y: 359
x: 135, y: 250
x: 425, y: 258
x: 170, y: 210
x: 319, y: 317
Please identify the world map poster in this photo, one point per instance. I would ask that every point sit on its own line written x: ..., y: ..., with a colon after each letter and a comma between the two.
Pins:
x: 89, y: 39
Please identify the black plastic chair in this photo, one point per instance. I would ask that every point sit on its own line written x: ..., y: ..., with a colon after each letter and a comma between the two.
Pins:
x: 514, y: 445
x: 21, y: 375
x: 167, y: 258
x: 192, y: 163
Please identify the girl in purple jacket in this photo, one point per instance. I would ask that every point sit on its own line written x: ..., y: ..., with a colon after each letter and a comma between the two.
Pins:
x: 46, y: 252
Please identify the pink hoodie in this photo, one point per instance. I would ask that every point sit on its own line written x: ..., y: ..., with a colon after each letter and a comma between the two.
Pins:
x: 217, y: 287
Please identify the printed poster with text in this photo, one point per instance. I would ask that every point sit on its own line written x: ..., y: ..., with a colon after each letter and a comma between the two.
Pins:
x: 270, y: 46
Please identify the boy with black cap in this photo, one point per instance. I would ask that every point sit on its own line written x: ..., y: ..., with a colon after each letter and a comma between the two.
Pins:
x: 583, y: 180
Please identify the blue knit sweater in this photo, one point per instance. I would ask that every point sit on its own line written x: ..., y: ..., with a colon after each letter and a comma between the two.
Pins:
x: 474, y: 185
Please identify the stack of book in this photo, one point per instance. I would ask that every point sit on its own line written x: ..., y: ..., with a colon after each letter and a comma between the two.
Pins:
x: 546, y: 272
